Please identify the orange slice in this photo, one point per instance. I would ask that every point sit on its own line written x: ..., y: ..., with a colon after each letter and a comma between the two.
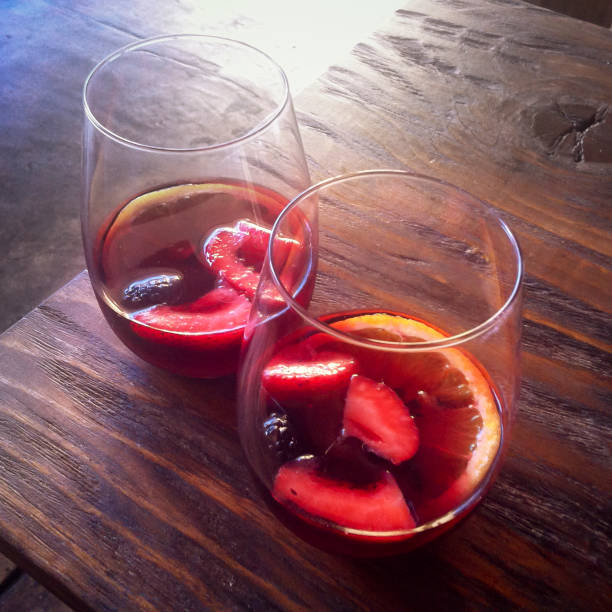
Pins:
x: 452, y: 403
x: 122, y: 245
x: 148, y: 202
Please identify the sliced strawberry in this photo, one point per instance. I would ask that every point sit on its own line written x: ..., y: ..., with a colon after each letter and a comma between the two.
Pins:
x: 216, y: 318
x: 221, y: 254
x: 254, y: 246
x: 311, y: 386
x: 237, y: 254
x: 253, y: 249
x: 377, y: 416
x: 379, y: 506
x: 299, y: 371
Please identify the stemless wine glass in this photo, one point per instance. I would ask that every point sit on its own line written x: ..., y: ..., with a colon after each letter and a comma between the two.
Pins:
x: 191, y: 150
x: 376, y: 414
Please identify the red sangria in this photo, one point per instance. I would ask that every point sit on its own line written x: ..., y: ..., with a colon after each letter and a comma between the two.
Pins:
x: 173, y: 251
x: 180, y: 266
x: 375, y: 416
x: 375, y: 442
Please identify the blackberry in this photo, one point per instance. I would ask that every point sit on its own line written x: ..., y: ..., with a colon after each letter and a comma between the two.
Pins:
x: 280, y: 437
x: 152, y: 290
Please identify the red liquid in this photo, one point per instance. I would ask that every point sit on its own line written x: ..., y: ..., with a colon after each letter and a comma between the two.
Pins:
x: 366, y: 446
x: 158, y: 291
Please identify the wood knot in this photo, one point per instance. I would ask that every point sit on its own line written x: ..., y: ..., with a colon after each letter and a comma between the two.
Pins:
x: 581, y: 132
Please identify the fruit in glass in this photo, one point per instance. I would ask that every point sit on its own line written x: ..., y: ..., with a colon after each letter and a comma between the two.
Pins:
x: 191, y: 151
x: 375, y: 428
x: 175, y: 293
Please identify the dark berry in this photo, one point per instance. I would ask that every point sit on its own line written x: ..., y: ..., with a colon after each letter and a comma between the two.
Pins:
x: 280, y: 438
x: 156, y: 289
x: 348, y: 460
x: 196, y: 278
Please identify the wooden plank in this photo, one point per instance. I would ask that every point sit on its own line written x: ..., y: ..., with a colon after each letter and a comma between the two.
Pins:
x: 27, y: 594
x: 460, y: 100
x: 6, y: 567
x: 125, y: 487
x: 598, y: 12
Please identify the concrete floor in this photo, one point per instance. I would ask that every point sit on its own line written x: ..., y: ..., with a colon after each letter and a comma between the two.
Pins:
x: 41, y: 76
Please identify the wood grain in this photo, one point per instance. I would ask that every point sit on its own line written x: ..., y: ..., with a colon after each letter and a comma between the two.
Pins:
x: 6, y: 567
x: 594, y: 11
x: 27, y: 594
x: 124, y: 487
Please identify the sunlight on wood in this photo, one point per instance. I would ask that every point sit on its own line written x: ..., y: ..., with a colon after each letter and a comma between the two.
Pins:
x: 304, y: 38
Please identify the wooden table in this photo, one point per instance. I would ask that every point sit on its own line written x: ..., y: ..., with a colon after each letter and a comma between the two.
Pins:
x: 123, y: 487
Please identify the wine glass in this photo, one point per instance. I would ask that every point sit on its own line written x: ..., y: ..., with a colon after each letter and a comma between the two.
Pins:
x: 376, y: 414
x: 190, y: 151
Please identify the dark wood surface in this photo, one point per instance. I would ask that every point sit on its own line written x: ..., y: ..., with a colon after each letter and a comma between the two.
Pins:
x: 124, y: 487
x: 6, y: 567
x: 19, y: 592
x: 594, y: 11
x: 27, y: 595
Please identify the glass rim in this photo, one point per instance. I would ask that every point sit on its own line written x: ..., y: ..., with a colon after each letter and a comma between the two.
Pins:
x: 257, y: 129
x: 399, y: 347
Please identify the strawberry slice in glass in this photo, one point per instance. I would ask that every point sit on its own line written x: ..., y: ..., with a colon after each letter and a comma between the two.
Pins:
x: 376, y: 507
x: 216, y: 318
x: 311, y: 385
x: 236, y: 254
x: 379, y: 418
